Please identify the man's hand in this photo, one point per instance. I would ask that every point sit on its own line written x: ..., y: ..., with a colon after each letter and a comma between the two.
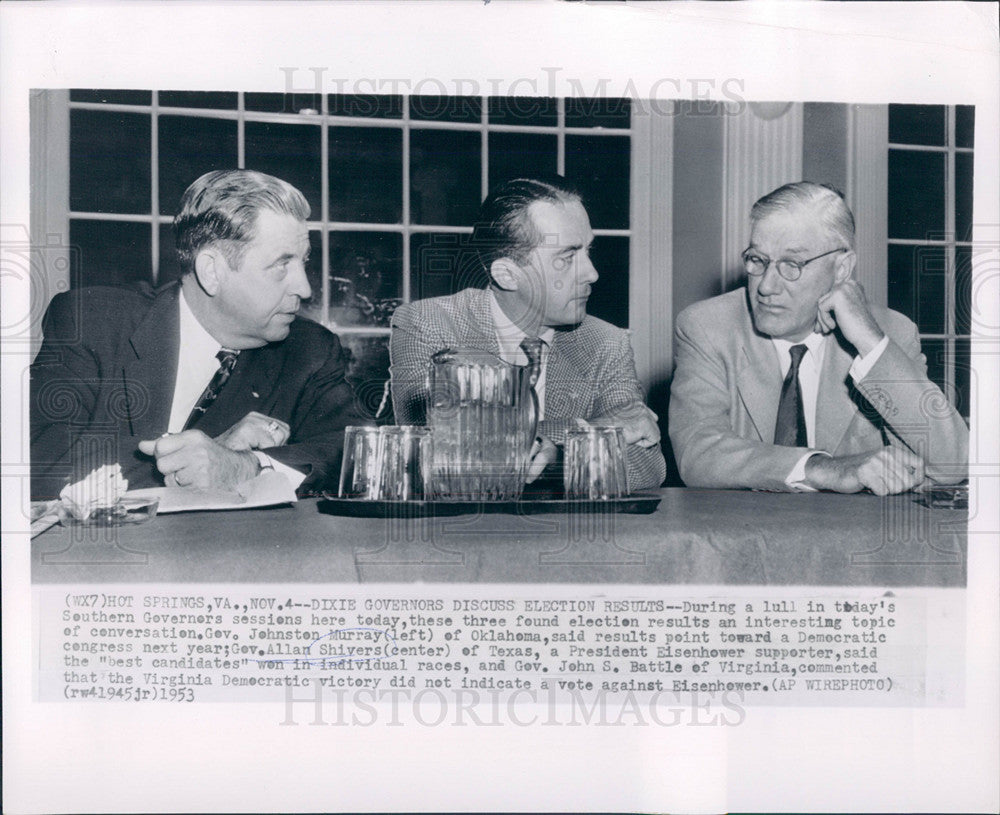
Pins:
x: 638, y: 422
x: 886, y: 471
x: 192, y: 459
x: 255, y: 431
x: 543, y: 453
x: 845, y: 305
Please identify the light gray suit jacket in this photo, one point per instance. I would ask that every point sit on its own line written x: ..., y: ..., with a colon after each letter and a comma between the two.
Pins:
x: 590, y: 370
x: 724, y: 401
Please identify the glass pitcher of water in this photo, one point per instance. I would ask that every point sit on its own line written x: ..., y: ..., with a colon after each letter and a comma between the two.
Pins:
x: 483, y: 416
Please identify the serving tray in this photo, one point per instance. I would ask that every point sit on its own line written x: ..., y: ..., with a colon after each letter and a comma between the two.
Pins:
x: 637, y: 504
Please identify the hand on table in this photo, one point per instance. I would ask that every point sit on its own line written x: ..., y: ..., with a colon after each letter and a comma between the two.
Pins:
x: 192, y: 459
x: 886, y: 471
x: 845, y: 306
x: 637, y: 421
x: 255, y: 431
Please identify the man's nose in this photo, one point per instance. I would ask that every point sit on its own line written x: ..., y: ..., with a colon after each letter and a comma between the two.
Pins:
x: 588, y: 272
x: 770, y: 281
x: 299, y: 282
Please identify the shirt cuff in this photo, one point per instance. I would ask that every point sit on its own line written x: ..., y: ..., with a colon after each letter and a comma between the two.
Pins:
x: 862, y: 365
x: 295, y: 478
x: 796, y: 479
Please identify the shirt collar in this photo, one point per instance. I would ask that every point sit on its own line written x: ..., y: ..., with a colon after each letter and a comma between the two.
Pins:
x: 509, y: 334
x: 814, y: 342
x: 194, y: 338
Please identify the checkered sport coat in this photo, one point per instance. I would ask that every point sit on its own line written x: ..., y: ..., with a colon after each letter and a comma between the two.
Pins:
x: 590, y: 370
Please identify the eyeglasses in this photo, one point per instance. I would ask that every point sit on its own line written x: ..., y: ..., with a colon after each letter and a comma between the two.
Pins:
x: 789, y: 269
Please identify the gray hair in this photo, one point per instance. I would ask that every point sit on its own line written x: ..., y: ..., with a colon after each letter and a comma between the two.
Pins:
x: 221, y: 208
x: 833, y: 210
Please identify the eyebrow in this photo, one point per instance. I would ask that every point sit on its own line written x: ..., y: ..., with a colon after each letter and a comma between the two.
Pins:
x: 283, y: 257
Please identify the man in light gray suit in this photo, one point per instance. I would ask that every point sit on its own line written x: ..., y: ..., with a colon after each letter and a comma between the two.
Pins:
x: 534, y: 240
x: 797, y: 382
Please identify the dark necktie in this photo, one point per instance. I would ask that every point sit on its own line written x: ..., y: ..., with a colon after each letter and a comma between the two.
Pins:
x: 227, y: 361
x: 532, y: 347
x: 790, y: 427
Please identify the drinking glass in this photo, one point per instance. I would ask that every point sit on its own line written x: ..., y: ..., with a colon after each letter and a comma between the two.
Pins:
x: 594, y: 463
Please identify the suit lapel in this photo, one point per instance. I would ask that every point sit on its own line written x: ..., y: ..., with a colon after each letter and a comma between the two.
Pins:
x: 566, y: 376
x: 834, y: 408
x: 252, y: 386
x: 758, y: 380
x: 150, y: 370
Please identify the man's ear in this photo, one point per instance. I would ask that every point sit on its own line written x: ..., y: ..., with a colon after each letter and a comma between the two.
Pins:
x: 209, y: 268
x: 846, y: 264
x: 505, y: 273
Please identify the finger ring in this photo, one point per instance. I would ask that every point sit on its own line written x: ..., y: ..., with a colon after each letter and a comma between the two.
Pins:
x: 272, y: 426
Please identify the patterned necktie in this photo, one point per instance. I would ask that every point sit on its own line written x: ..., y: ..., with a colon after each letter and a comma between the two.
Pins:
x: 790, y: 427
x: 532, y: 347
x: 227, y: 361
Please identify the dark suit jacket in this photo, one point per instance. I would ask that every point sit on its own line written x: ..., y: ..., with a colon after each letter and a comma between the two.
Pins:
x: 590, y: 370
x: 727, y: 383
x: 104, y: 380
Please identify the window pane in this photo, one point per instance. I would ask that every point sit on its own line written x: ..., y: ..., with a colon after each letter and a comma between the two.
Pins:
x: 934, y: 350
x: 916, y: 194
x: 609, y: 297
x: 283, y: 102
x: 369, y: 106
x: 963, y: 290
x: 109, y: 159
x: 366, y: 174
x: 190, y: 147
x: 366, y: 277
x: 515, y: 155
x: 917, y: 124
x: 290, y: 152
x: 170, y: 268
x: 111, y: 97
x: 917, y: 285
x: 598, y: 112
x: 111, y: 253
x: 523, y: 110
x: 599, y: 166
x: 963, y: 196
x: 197, y: 99
x: 443, y: 263
x: 965, y: 126
x: 963, y: 378
x: 444, y: 177
x: 367, y: 370
x: 467, y: 109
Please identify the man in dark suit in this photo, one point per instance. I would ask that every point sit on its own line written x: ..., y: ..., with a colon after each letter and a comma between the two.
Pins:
x: 798, y: 383
x: 200, y: 383
x: 533, y: 238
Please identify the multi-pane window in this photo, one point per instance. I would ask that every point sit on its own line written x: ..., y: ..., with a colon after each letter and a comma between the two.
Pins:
x: 930, y: 235
x: 394, y: 184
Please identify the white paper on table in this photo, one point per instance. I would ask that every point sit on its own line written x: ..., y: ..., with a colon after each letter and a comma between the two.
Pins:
x: 267, y: 489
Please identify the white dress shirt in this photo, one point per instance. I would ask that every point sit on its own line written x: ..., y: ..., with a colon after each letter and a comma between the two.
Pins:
x: 196, y: 365
x: 809, y: 377
x: 510, y: 337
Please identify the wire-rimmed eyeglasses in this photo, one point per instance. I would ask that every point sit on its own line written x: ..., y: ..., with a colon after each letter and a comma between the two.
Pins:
x: 789, y: 269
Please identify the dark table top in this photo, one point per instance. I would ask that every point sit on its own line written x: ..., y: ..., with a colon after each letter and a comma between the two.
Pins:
x: 694, y: 536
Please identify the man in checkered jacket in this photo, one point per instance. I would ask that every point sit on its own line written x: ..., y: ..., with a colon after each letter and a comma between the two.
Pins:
x: 534, y: 239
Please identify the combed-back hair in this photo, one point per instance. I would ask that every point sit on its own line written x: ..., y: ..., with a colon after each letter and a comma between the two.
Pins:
x: 221, y: 208
x: 833, y: 209
x: 504, y: 228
